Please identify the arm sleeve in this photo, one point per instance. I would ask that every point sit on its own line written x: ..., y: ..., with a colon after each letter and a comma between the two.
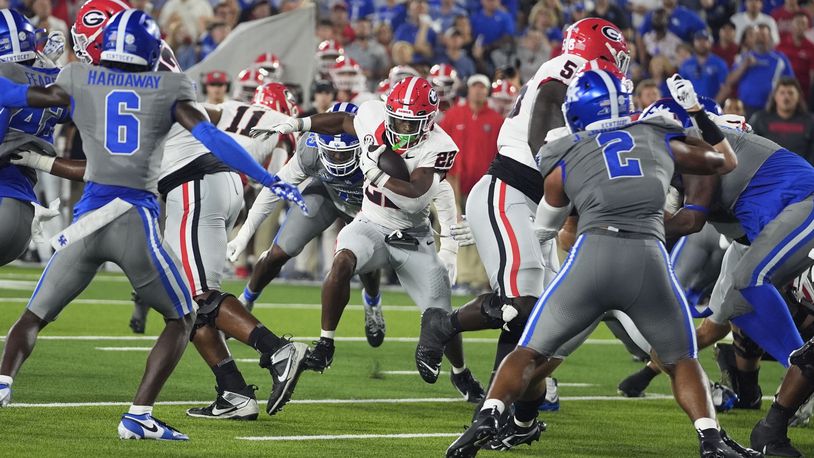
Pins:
x: 414, y: 205
x: 230, y: 152
x: 292, y: 172
x: 447, y: 210
x: 263, y: 206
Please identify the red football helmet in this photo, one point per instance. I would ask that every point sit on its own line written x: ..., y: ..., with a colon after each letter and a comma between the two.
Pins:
x: 277, y: 97
x: 272, y: 65
x: 411, y: 108
x: 248, y: 80
x: 399, y: 72
x: 383, y: 89
x: 594, y: 38
x: 347, y: 75
x: 91, y: 19
x: 503, y: 95
x: 444, y: 79
x: 327, y: 53
x: 598, y: 64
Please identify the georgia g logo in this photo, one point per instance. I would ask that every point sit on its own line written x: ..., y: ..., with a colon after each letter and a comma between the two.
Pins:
x: 611, y: 33
x: 94, y: 18
x: 433, y: 97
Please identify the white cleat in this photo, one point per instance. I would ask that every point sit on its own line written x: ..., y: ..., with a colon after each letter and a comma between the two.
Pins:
x: 5, y: 394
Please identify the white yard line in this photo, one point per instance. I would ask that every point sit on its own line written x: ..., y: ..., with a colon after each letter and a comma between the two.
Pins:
x: 259, y: 305
x: 309, y: 339
x: 124, y: 348
x: 347, y: 437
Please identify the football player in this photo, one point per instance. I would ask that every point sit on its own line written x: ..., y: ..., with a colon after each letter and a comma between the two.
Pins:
x: 616, y: 227
x: 328, y: 52
x: 116, y: 219
x: 502, y: 97
x: 444, y: 79
x: 393, y: 228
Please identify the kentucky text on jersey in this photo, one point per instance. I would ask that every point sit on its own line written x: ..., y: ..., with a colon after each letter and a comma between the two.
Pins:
x: 101, y: 78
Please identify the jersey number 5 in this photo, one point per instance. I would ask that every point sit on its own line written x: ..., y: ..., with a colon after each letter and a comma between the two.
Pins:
x: 122, y: 127
x: 614, y: 144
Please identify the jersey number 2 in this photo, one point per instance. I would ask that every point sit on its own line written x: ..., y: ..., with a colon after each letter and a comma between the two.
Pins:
x: 122, y: 127
x: 614, y: 144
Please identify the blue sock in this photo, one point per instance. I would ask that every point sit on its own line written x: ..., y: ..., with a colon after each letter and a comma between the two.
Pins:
x: 372, y: 301
x: 770, y: 323
x: 250, y: 295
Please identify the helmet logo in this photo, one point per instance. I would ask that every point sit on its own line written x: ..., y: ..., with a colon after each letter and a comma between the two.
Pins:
x: 433, y: 96
x: 611, y: 33
x: 21, y: 36
x: 93, y: 18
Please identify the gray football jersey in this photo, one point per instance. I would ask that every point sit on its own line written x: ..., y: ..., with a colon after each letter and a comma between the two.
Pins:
x: 617, y: 178
x: 345, y: 192
x: 123, y: 119
x: 31, y: 128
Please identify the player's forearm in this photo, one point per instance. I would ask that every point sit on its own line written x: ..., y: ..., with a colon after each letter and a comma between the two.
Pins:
x: 70, y: 169
x: 684, y: 222
x: 447, y: 209
x: 699, y: 192
x: 412, y: 203
x: 712, y: 134
x: 328, y: 123
x: 23, y: 95
x: 263, y: 206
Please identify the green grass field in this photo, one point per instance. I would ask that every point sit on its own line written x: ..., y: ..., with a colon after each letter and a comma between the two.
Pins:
x: 84, y: 371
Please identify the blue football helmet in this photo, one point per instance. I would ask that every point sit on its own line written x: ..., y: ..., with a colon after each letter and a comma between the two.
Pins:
x: 18, y: 38
x: 132, y: 37
x: 668, y: 109
x: 339, y: 153
x: 710, y: 105
x: 596, y: 100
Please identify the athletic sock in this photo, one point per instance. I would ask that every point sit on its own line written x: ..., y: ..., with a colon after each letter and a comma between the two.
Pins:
x: 458, y: 370
x: 140, y: 410
x: 779, y: 416
x: 263, y: 340
x: 748, y: 387
x: 523, y: 424
x: 373, y: 301
x: 250, y: 295
x: 704, y: 423
x: 526, y: 411
x: 490, y: 404
x: 646, y: 374
x: 228, y: 377
x: 323, y: 334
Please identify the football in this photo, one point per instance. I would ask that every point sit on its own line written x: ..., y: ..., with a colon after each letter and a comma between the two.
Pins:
x: 393, y: 164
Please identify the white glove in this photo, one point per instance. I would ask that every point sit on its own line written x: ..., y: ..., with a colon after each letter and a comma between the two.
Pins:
x: 290, y: 126
x: 369, y: 164
x: 683, y: 92
x: 450, y: 260
x: 674, y: 200
x: 34, y: 160
x: 462, y: 233
x: 42, y: 215
x: 55, y: 46
x: 237, y: 246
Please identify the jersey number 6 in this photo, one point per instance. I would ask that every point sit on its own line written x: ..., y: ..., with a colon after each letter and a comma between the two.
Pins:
x: 614, y: 144
x: 121, y: 124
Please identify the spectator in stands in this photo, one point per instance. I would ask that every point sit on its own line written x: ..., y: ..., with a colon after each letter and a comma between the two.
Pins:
x: 227, y: 12
x: 659, y: 40
x: 258, y: 10
x: 456, y: 56
x: 683, y: 53
x: 445, y: 12
x: 371, y: 55
x: 646, y: 92
x: 392, y: 13
x: 707, y: 71
x: 753, y: 16
x: 756, y: 71
x: 216, y: 32
x: 193, y: 13
x: 734, y: 106
x: 717, y: 13
x: 611, y: 12
x: 342, y: 28
x: 463, y: 25
x: 544, y: 21
x: 216, y: 86
x: 681, y: 21
x: 43, y: 19
x: 727, y: 48
x: 784, y: 16
x: 533, y: 50
x: 402, y: 53
x: 324, y: 97
x: 786, y: 119
x: 492, y: 27
x: 361, y: 9
x: 800, y: 51
x: 384, y: 36
x: 417, y: 29
x: 182, y: 44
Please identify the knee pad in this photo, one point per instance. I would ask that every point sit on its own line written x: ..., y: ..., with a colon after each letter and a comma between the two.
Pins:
x: 745, y: 347
x: 208, y: 310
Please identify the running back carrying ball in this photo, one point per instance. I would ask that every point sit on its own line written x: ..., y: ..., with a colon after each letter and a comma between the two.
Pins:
x: 392, y: 164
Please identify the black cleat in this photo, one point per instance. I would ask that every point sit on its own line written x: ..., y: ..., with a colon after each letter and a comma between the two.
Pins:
x: 483, y: 430
x: 633, y: 386
x: 285, y: 366
x: 512, y: 435
x: 713, y: 446
x: 469, y: 387
x: 374, y: 321
x: 228, y: 405
x: 743, y: 451
x: 436, y: 330
x: 803, y: 356
x: 321, y: 356
x: 138, y: 321
x: 772, y: 441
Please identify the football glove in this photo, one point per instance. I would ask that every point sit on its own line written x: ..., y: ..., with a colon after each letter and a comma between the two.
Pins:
x: 33, y: 160
x: 290, y: 193
x: 683, y: 92
x: 462, y: 233
x: 290, y: 126
x: 55, y: 46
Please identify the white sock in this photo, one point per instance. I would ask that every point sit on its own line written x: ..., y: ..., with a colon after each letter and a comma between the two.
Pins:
x: 5, y: 379
x: 494, y: 404
x: 458, y: 370
x: 140, y: 410
x: 705, y: 423
x: 523, y: 424
x: 327, y: 334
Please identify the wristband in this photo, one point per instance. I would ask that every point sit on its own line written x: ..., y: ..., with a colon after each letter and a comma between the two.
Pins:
x: 710, y: 131
x: 304, y: 124
x: 697, y: 208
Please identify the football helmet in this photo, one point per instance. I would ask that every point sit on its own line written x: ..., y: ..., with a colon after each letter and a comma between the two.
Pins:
x: 277, y: 97
x: 90, y: 22
x: 132, y: 37
x: 248, y: 80
x: 596, y: 100
x: 399, y: 72
x: 327, y: 53
x: 339, y: 153
x: 595, y: 38
x: 710, y: 105
x: 503, y: 95
x: 669, y: 109
x: 598, y: 64
x: 410, y: 110
x: 383, y: 89
x: 272, y: 65
x: 444, y: 79
x: 18, y: 38
x: 347, y: 75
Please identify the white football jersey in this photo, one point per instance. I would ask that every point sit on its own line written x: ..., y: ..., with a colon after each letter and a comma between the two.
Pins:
x: 180, y: 148
x: 437, y: 151
x: 512, y: 141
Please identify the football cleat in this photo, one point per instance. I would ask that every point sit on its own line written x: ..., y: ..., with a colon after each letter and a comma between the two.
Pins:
x: 713, y: 445
x: 285, y: 366
x: 749, y: 397
x: 469, y: 387
x: 772, y: 441
x: 483, y: 430
x: 374, y: 321
x: 436, y: 330
x: 230, y: 405
x: 322, y: 356
x: 633, y: 386
x: 138, y: 321
x: 551, y: 403
x: 803, y: 415
x: 803, y: 356
x: 145, y: 426
x: 512, y: 435
x: 723, y: 397
x: 5, y: 394
x: 743, y: 451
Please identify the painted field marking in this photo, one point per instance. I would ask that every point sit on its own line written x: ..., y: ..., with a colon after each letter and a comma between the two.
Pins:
x: 312, y: 338
x: 124, y: 348
x: 347, y: 437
